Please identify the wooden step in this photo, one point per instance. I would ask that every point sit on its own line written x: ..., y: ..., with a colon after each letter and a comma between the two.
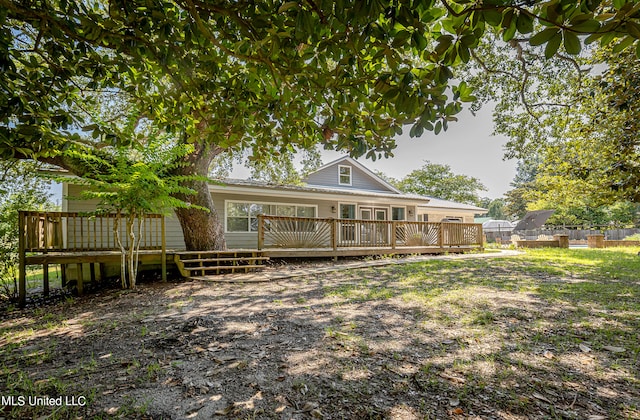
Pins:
x: 248, y: 253
x: 218, y: 262
x: 223, y: 267
x: 193, y: 272
x: 225, y: 259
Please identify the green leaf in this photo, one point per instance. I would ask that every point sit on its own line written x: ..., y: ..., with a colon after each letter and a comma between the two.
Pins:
x: 509, y: 33
x: 492, y: 16
x: 628, y: 40
x: 401, y: 38
x: 553, y: 45
x: 571, y: 43
x: 463, y: 53
x: 633, y: 29
x: 543, y: 37
x: 524, y: 23
x: 288, y: 5
x: 507, y: 19
x: 444, y: 42
x: 587, y: 26
x: 619, y: 4
x: 419, y: 40
x: 438, y: 128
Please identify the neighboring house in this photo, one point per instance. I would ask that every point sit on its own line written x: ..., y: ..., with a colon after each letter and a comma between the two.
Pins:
x: 342, y: 189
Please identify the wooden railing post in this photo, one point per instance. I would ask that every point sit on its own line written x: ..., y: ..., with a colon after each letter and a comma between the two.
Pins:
x: 22, y: 276
x: 394, y: 228
x: 260, y: 232
x: 441, y: 235
x: 334, y: 234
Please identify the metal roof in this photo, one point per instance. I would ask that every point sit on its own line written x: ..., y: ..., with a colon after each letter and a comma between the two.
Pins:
x: 446, y: 204
x: 320, y: 189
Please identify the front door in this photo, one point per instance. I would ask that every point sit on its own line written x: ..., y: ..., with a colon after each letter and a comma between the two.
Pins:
x: 347, y: 229
x: 381, y: 236
x: 372, y: 233
x: 366, y: 229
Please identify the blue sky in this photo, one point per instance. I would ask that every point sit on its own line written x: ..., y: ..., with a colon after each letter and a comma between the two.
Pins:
x: 468, y: 146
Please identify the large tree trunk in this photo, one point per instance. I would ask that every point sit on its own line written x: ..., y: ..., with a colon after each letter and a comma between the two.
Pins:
x: 202, y: 230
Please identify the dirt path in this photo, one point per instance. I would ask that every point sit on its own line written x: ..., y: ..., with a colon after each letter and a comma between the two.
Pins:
x: 356, y: 344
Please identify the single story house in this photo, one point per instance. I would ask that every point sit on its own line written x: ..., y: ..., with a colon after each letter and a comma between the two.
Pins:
x: 342, y: 189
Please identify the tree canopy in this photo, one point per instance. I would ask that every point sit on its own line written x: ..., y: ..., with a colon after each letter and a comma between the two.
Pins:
x: 80, y: 78
x: 437, y: 180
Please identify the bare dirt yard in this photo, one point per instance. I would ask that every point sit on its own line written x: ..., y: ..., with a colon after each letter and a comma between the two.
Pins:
x: 545, y: 335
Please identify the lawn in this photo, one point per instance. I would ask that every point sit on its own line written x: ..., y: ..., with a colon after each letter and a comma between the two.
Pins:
x: 550, y: 334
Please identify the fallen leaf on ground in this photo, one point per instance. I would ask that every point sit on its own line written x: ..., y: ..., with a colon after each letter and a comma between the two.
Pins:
x: 452, y: 378
x: 541, y: 397
x: 225, y: 411
x: 454, y: 402
x: 547, y: 354
x: 584, y: 348
x: 309, y: 406
x: 198, y: 330
x: 614, y: 349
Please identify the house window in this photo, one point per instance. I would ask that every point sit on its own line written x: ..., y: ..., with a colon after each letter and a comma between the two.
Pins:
x: 347, y: 211
x: 243, y: 217
x: 344, y: 175
x: 398, y: 213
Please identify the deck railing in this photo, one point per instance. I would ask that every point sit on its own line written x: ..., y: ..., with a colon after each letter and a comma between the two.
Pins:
x: 51, y: 236
x: 307, y: 232
x: 70, y: 232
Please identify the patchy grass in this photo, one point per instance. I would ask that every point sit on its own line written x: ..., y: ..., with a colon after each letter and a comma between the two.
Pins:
x: 549, y: 334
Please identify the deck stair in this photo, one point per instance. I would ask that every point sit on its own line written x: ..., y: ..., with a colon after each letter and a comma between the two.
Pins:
x: 198, y: 264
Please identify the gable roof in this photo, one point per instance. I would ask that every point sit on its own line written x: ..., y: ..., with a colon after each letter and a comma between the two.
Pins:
x: 361, y: 167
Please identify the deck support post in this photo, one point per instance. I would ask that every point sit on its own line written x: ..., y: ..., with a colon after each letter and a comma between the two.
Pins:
x: 45, y: 279
x: 394, y: 229
x: 63, y: 275
x: 441, y: 235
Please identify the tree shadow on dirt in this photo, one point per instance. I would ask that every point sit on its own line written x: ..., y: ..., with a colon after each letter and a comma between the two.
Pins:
x: 400, y: 342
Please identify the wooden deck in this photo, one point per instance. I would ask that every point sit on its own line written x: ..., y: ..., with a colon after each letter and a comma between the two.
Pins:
x: 305, y: 236
x: 83, y: 242
x: 360, y: 252
x: 86, y: 243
